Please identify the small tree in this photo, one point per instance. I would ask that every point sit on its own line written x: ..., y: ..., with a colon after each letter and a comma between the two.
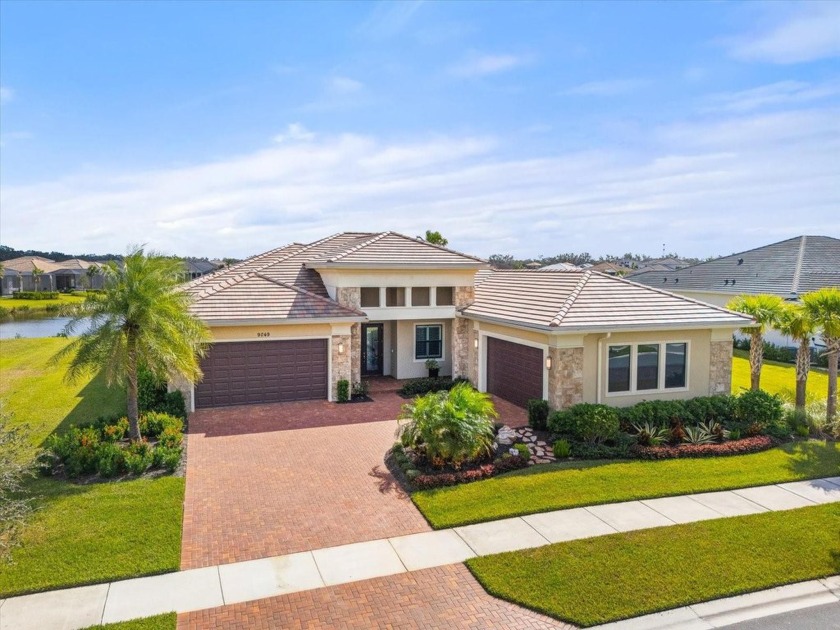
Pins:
x: 435, y: 238
x: 141, y: 319
x: 823, y: 306
x: 795, y: 322
x: 90, y: 272
x: 36, y: 276
x: 15, y: 466
x: 764, y: 309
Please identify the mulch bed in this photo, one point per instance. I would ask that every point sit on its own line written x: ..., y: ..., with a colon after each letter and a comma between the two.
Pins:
x: 734, y: 447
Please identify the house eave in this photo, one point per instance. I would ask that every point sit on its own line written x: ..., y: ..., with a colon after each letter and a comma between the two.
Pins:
x: 395, y: 267
x: 285, y: 321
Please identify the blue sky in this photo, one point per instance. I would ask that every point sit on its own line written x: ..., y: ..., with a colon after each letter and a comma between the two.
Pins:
x: 526, y: 128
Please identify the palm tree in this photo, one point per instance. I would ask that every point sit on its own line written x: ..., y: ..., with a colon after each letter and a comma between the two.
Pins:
x: 823, y: 306
x: 90, y: 272
x: 795, y: 322
x: 36, y: 275
x: 141, y: 319
x: 764, y: 309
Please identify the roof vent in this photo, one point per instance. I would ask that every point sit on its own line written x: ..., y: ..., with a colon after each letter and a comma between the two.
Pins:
x: 740, y: 261
x: 733, y: 281
x: 664, y: 279
x: 676, y: 280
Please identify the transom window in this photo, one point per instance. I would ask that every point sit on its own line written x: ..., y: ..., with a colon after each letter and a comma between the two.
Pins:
x: 428, y: 341
x: 640, y: 367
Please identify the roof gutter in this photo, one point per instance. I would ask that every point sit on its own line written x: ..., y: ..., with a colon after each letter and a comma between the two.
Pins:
x: 560, y: 330
x: 282, y: 321
x: 316, y: 265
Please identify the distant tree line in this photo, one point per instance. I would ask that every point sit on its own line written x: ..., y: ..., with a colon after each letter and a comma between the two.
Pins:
x: 8, y: 253
x: 506, y: 261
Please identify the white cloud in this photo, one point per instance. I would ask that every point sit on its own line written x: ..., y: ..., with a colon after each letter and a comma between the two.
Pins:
x: 611, y: 87
x: 295, y: 132
x: 6, y: 94
x: 476, y: 65
x: 810, y: 31
x: 388, y: 19
x: 779, y: 93
x: 344, y: 85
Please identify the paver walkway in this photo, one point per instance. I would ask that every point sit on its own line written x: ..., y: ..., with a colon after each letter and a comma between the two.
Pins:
x: 269, y: 480
x: 213, y: 587
x: 442, y: 597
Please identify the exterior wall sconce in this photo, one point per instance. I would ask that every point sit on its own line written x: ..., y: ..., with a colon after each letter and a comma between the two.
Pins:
x: 475, y: 343
x: 340, y: 347
x: 548, y: 363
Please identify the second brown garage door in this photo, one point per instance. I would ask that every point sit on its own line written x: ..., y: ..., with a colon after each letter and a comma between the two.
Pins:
x: 514, y: 371
x: 251, y: 372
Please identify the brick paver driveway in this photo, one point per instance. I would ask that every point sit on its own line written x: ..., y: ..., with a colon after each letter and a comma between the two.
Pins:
x: 267, y: 480
x: 444, y: 597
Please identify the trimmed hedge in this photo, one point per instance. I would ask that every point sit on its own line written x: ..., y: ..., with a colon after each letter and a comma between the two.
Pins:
x: 586, y: 422
x: 36, y: 295
x: 420, y: 386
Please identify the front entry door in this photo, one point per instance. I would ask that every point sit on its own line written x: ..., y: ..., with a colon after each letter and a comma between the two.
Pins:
x: 372, y: 337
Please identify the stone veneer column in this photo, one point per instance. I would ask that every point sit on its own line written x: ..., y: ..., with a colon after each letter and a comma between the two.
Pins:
x: 461, y: 345
x: 351, y: 297
x: 341, y: 363
x: 464, y: 296
x: 720, y: 367
x: 565, y: 379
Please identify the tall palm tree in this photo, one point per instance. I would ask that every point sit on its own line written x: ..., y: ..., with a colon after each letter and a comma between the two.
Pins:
x: 141, y: 319
x: 795, y: 322
x: 823, y: 306
x: 36, y: 276
x: 764, y: 309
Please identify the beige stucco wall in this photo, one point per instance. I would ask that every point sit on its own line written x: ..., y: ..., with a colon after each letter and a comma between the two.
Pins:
x: 403, y: 364
x: 698, y: 366
x: 283, y: 331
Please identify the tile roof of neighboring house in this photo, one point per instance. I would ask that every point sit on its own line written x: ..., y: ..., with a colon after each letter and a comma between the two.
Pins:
x: 608, y: 267
x: 253, y: 296
x: 25, y: 264
x: 196, y: 265
x: 294, y: 267
x: 587, y: 301
x: 562, y: 266
x: 787, y: 268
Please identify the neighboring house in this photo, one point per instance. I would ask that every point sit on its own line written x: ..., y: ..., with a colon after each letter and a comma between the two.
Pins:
x: 788, y: 269
x: 291, y: 323
x: 19, y: 274
x: 197, y: 267
x: 611, y: 269
x: 561, y: 266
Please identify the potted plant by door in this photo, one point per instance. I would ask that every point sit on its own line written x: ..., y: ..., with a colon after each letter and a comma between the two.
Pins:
x: 433, y: 366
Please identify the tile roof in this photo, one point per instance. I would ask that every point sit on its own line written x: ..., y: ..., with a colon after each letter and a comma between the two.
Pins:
x: 25, y: 264
x: 587, y: 301
x: 253, y: 296
x: 787, y: 268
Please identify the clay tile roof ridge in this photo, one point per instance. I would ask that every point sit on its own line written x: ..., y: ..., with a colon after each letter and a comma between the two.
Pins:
x: 315, y: 296
x: 441, y: 247
x: 361, y: 245
x: 570, y: 300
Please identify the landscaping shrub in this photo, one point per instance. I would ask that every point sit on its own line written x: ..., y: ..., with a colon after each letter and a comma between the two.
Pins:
x: 360, y: 389
x: 5, y: 312
x: 731, y: 447
x: 719, y: 409
x: 449, y: 427
x: 523, y: 450
x: 171, y: 437
x: 562, y: 449
x: 153, y: 424
x: 589, y: 450
x: 76, y: 449
x: 343, y: 390
x: 758, y: 407
x: 174, y: 405
x: 586, y: 422
x: 650, y: 434
x: 115, y: 431
x: 420, y: 386
x: 36, y: 295
x: 167, y: 458
x: 110, y: 459
x: 661, y: 413
x: 538, y: 414
x: 152, y: 395
x: 698, y: 435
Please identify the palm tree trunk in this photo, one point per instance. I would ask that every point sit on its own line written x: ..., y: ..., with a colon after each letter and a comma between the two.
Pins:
x: 133, y: 404
x: 756, y: 358
x: 831, y: 405
x: 803, y: 365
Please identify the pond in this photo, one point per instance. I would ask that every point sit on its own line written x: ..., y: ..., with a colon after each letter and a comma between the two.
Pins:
x: 35, y: 327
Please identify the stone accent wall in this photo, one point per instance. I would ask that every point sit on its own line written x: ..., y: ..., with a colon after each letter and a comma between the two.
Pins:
x: 462, y: 346
x: 341, y: 363
x: 179, y: 384
x: 720, y: 367
x: 355, y: 353
x: 565, y: 378
x: 349, y: 296
x: 464, y: 296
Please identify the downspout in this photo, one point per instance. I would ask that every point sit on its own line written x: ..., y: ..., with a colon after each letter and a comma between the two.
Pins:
x: 600, y: 364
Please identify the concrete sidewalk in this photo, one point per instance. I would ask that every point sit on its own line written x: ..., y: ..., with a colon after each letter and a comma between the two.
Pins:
x: 198, y: 589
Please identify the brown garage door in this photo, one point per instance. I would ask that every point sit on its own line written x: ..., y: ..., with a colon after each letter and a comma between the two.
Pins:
x: 250, y: 372
x: 514, y: 371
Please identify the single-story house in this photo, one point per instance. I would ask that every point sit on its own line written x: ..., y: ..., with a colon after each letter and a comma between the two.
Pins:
x: 198, y: 267
x: 36, y: 273
x: 788, y: 269
x: 291, y: 323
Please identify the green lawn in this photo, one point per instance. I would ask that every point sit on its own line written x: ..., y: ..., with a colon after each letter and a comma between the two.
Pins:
x: 776, y: 378
x: 36, y: 393
x: 572, y: 484
x: 158, y: 622
x: 65, y: 299
x: 81, y: 534
x: 604, y: 579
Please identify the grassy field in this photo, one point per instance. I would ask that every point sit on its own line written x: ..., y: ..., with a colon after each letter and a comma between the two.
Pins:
x: 81, y: 534
x: 604, y: 579
x: 573, y: 484
x: 65, y: 299
x: 35, y: 392
x: 776, y: 378
x: 158, y: 622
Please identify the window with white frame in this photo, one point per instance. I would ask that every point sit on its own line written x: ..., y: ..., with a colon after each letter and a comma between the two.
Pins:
x: 647, y: 367
x: 428, y: 341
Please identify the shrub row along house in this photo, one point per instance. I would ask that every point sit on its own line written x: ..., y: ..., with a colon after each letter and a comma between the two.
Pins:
x: 291, y: 323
